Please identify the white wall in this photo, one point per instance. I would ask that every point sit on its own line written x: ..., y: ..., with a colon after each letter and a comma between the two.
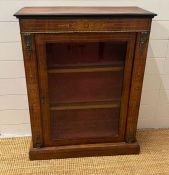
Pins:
x: 14, y: 114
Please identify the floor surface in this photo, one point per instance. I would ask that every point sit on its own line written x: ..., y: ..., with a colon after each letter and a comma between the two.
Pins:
x: 153, y: 159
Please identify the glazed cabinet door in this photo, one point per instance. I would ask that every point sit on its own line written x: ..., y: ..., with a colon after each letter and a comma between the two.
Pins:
x: 84, y: 81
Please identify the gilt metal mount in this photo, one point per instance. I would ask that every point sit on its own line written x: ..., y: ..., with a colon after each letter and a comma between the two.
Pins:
x: 38, y: 142
x: 143, y: 39
x: 28, y: 42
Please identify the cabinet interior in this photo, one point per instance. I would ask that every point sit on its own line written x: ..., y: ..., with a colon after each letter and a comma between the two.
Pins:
x: 85, y: 85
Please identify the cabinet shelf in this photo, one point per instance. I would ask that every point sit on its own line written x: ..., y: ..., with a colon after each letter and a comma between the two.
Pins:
x: 86, y: 69
x: 87, y: 105
x: 90, y: 65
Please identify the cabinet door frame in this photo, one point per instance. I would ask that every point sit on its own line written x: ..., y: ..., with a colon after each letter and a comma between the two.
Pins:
x: 40, y: 43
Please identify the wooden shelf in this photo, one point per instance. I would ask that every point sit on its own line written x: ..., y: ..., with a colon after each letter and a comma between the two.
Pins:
x: 85, y: 105
x: 86, y: 69
x: 90, y: 65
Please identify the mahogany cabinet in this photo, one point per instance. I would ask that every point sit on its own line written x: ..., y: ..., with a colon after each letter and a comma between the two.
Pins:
x: 84, y: 71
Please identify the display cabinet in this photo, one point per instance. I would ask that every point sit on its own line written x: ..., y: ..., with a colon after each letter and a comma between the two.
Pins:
x: 84, y: 71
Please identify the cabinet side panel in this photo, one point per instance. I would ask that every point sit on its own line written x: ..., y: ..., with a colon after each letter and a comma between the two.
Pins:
x: 32, y: 87
x: 136, y: 84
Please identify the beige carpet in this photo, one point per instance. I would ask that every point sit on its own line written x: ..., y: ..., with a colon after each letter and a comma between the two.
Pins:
x: 154, y: 159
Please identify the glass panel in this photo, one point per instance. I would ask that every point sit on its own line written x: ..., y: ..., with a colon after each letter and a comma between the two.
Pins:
x: 88, y: 123
x: 84, y: 87
x: 85, y: 75
x: 82, y: 54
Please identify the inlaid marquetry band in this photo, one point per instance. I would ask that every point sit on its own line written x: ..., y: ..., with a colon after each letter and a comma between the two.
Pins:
x: 84, y: 31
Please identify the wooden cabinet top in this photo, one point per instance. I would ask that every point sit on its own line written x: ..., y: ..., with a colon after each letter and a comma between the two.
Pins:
x: 54, y: 12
